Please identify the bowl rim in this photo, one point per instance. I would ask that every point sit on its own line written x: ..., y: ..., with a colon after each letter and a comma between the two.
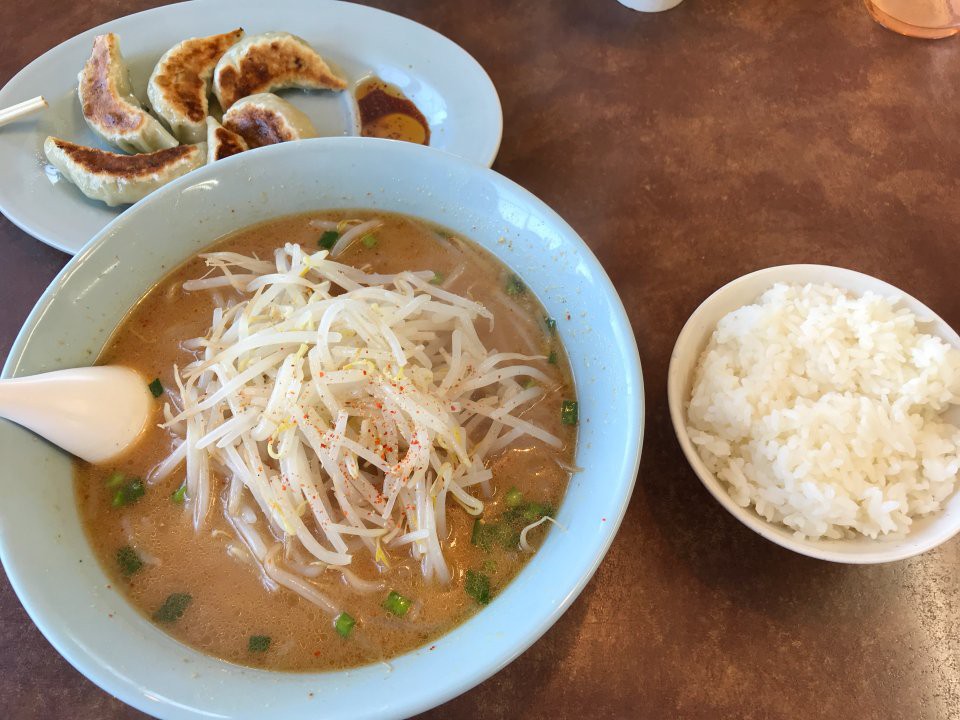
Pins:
x: 677, y: 398
x: 57, y: 630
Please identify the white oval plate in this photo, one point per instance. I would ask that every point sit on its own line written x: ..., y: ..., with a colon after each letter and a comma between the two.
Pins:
x: 443, y: 80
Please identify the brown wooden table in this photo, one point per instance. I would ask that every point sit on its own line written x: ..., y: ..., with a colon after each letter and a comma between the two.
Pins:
x: 687, y: 148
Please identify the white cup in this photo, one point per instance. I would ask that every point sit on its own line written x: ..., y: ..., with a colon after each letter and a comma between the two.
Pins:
x: 650, y: 5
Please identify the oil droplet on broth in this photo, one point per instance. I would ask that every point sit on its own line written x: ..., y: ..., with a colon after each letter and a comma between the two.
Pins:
x: 385, y: 112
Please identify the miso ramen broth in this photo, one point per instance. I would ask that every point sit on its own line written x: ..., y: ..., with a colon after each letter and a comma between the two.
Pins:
x: 193, y: 573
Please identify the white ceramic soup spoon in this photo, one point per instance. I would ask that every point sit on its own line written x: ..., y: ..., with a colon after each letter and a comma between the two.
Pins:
x: 94, y: 413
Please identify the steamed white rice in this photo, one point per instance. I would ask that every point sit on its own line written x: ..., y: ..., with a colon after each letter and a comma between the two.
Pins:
x: 824, y: 411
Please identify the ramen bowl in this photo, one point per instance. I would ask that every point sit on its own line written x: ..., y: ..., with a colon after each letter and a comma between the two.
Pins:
x: 43, y: 546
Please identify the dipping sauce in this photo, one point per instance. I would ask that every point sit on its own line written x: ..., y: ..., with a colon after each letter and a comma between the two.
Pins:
x: 385, y: 112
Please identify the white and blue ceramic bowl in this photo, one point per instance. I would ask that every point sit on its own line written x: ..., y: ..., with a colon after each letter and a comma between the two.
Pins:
x: 925, y: 532
x: 42, y: 545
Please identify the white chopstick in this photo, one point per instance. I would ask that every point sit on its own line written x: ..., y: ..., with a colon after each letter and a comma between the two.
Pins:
x: 27, y: 107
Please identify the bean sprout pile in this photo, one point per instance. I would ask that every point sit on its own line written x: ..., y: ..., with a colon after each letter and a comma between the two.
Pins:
x: 340, y: 412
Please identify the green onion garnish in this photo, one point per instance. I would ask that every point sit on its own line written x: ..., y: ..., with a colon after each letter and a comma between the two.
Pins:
x: 369, y: 240
x: 437, y: 278
x: 525, y: 513
x: 128, y: 560
x: 156, y: 388
x: 506, y: 531
x: 116, y: 479
x: 179, y: 494
x: 534, y: 511
x: 328, y: 239
x: 478, y: 587
x: 129, y: 493
x: 173, y: 608
x: 344, y: 624
x: 258, y: 643
x: 552, y: 357
x: 396, y: 604
x: 551, y: 325
x: 486, y: 535
x: 515, y: 286
x: 479, y: 536
x: 529, y: 383
x: 569, y: 412
x: 513, y: 498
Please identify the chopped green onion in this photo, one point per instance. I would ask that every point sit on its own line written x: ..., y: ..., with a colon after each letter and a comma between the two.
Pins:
x: 486, y: 535
x: 478, y: 587
x: 569, y: 412
x: 129, y: 493
x: 179, y: 494
x: 529, y: 383
x: 552, y: 357
x: 479, y: 536
x: 551, y: 325
x: 156, y: 388
x: 506, y: 532
x: 328, y: 239
x: 173, y: 608
x: 515, y: 286
x: 116, y: 479
x: 525, y: 513
x: 534, y: 511
x: 128, y: 560
x: 258, y: 643
x: 344, y: 624
x: 369, y: 240
x: 397, y: 604
x: 437, y: 278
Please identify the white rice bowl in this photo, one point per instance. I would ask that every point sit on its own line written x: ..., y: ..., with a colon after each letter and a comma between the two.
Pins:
x: 823, y: 410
